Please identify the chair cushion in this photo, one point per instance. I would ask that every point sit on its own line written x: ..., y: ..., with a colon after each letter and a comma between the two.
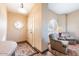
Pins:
x: 64, y: 42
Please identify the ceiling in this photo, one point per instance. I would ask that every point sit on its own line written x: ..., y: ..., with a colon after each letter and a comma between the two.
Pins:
x: 63, y: 8
x: 59, y: 8
x: 15, y: 7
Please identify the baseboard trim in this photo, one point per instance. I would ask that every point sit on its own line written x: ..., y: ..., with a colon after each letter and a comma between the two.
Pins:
x: 40, y: 51
x: 45, y: 51
x: 37, y: 50
x: 21, y: 42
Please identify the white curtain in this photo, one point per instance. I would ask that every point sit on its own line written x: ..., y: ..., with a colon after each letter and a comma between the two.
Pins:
x: 52, y: 27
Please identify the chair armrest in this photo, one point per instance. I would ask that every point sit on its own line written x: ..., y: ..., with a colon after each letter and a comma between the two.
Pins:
x: 77, y: 41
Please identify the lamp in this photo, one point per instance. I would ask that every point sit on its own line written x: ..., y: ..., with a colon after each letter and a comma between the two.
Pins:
x: 18, y: 25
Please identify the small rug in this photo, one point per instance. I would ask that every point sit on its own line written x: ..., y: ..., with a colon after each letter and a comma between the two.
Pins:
x: 44, y: 54
x: 24, y: 49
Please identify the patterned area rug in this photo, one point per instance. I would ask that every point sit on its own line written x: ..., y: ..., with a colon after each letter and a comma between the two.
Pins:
x: 44, y: 54
x: 23, y: 49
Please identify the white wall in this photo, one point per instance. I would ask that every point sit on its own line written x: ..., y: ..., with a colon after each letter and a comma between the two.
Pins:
x: 44, y: 26
x: 73, y: 23
x: 3, y: 22
x: 61, y: 20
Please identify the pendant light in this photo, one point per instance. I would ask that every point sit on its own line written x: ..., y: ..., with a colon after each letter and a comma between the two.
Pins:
x: 21, y: 5
x: 22, y: 9
x: 25, y: 8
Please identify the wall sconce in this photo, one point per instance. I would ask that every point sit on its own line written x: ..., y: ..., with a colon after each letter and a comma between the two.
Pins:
x: 18, y: 25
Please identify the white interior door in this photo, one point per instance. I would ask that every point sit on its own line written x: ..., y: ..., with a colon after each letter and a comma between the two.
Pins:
x: 30, y: 30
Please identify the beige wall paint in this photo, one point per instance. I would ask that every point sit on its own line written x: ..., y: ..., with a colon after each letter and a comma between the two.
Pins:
x: 36, y: 20
x: 73, y: 23
x: 3, y: 22
x: 14, y: 34
x: 61, y: 20
x: 35, y: 32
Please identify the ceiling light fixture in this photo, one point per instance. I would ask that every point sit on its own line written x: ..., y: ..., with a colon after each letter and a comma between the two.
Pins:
x: 22, y: 9
x: 22, y: 5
